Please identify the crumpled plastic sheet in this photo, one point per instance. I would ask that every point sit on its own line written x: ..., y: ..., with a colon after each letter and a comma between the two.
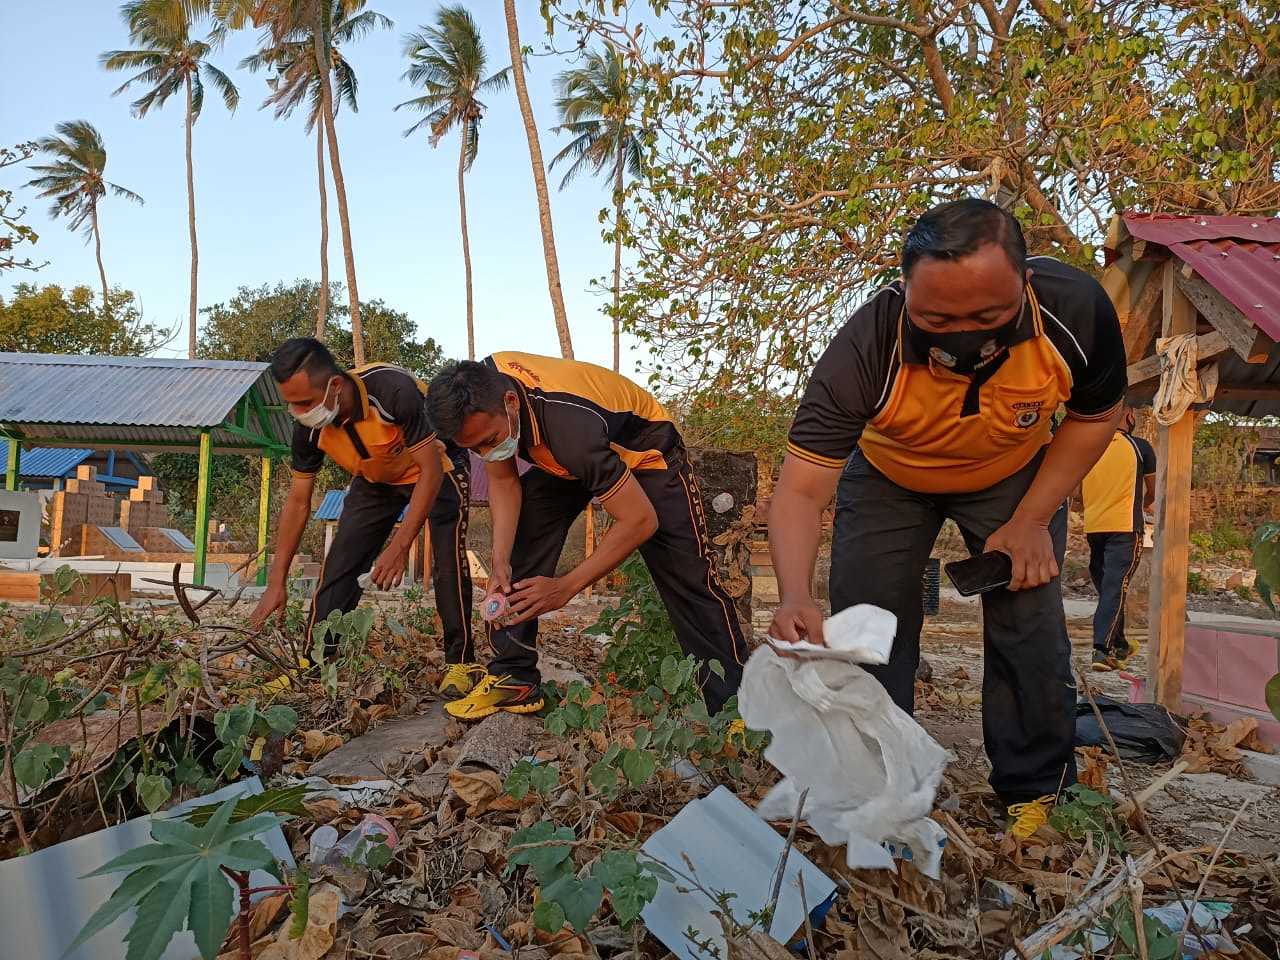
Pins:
x: 872, y: 771
x: 1209, y: 918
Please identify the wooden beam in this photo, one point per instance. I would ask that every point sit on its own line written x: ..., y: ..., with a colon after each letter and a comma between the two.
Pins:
x: 1253, y: 392
x: 1249, y: 343
x: 1168, y: 611
x: 1142, y: 323
x: 1207, y: 345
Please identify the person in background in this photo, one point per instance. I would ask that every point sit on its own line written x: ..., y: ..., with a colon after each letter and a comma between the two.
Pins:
x: 1116, y: 493
x: 372, y: 422
x: 589, y: 433
x: 934, y: 402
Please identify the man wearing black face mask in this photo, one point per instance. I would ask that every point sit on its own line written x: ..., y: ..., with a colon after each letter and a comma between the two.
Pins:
x: 935, y: 402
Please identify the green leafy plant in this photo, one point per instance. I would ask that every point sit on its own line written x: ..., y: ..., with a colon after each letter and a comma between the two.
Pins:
x: 638, y: 629
x: 541, y: 778
x: 348, y: 633
x: 1266, y: 561
x: 1086, y: 813
x: 574, y: 897
x: 244, y: 728
x: 184, y: 880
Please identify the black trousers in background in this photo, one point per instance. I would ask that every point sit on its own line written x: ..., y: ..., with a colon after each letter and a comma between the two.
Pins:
x: 1113, y: 557
x: 678, y: 556
x: 369, y: 513
x: 882, y: 539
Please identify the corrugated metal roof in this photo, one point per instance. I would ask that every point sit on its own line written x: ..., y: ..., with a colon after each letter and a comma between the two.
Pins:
x: 46, y: 462
x: 137, y: 400
x: 1238, y: 256
x: 330, y: 508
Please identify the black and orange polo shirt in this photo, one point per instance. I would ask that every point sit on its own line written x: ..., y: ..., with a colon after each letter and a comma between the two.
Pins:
x: 935, y: 431
x: 1113, y: 489
x: 389, y: 424
x: 583, y: 422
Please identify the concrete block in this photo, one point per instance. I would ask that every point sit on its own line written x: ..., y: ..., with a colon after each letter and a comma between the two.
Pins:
x: 1200, y: 662
x: 1245, y: 663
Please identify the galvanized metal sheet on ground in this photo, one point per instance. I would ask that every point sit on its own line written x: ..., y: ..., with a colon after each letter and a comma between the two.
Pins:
x: 45, y: 902
x: 732, y: 851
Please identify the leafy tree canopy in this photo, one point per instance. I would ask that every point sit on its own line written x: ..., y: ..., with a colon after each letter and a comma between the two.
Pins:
x: 789, y: 145
x: 51, y: 319
x: 251, y: 324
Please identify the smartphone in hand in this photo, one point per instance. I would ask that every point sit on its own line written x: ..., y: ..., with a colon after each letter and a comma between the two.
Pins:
x: 981, y: 574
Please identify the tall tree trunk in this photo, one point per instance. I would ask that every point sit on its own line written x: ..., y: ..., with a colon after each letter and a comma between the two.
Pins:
x: 322, y: 307
x: 539, y: 183
x: 339, y: 185
x: 617, y: 254
x: 191, y: 230
x: 466, y: 243
x: 97, y: 252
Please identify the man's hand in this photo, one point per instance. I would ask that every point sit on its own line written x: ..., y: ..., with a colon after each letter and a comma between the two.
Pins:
x: 1030, y: 547
x: 499, y: 576
x: 274, y: 598
x: 536, y: 596
x: 796, y: 620
x: 389, y: 568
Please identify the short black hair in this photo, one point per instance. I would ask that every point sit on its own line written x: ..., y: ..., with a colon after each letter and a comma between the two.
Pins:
x: 461, y: 388
x: 953, y: 230
x: 303, y: 353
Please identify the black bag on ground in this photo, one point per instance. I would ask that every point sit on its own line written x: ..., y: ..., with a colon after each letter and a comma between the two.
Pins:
x: 1142, y: 731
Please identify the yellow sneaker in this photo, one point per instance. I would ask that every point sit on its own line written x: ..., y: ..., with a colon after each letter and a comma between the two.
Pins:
x: 1027, y: 818
x: 459, y: 679
x: 492, y: 694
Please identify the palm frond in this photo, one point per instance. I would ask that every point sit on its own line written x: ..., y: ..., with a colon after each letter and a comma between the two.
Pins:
x: 125, y: 193
x: 222, y: 83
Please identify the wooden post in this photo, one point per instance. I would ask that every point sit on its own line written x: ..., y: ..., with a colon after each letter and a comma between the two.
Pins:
x: 14, y: 464
x: 1168, y: 611
x: 264, y: 516
x: 202, y: 507
x: 411, y: 568
x: 426, y: 555
x: 329, y: 527
x: 589, y: 538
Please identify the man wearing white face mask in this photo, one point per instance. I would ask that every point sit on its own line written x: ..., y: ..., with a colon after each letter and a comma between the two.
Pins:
x: 589, y: 433
x: 372, y: 422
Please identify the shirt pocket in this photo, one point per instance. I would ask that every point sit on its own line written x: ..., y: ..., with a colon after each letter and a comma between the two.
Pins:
x: 388, y: 462
x: 1015, y: 414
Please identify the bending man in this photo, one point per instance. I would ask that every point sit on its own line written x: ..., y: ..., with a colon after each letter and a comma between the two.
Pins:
x: 588, y: 433
x: 372, y: 422
x: 934, y: 402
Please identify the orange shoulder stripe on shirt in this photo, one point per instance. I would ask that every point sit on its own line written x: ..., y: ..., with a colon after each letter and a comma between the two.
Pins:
x: 814, y: 458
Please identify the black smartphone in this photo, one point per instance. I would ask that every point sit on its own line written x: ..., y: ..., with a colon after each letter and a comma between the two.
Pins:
x: 991, y: 571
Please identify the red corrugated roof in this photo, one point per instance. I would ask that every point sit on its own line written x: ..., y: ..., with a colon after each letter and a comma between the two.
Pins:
x: 1238, y: 256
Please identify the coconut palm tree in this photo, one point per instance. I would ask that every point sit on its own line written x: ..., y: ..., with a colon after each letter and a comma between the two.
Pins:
x: 539, y: 182
x: 448, y: 61
x: 74, y: 180
x: 301, y: 20
x: 295, y: 78
x: 595, y: 102
x: 168, y: 60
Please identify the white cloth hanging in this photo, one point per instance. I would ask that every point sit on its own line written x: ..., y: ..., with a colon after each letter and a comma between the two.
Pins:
x: 1181, y: 384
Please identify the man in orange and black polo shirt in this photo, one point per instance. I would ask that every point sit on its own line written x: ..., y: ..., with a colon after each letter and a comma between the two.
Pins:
x: 935, y: 401
x: 372, y: 422
x: 1116, y: 494
x: 589, y: 433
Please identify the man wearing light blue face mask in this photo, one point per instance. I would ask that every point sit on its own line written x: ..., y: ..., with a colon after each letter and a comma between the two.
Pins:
x: 589, y: 434
x: 372, y: 422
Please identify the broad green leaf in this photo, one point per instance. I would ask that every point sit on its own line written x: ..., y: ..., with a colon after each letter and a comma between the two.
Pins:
x: 153, y: 854
x: 161, y: 914
x: 602, y: 776
x: 34, y: 766
x: 134, y: 886
x: 211, y: 908
x: 250, y: 855
x: 548, y: 916
x: 579, y: 899
x: 153, y: 789
x: 543, y: 860
x: 544, y: 777
x: 281, y: 718
x: 286, y: 801
x: 630, y: 895
x: 1272, y: 694
x: 234, y: 723
x: 638, y: 765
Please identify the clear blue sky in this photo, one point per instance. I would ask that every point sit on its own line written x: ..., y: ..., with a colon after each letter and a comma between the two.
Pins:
x: 256, y: 189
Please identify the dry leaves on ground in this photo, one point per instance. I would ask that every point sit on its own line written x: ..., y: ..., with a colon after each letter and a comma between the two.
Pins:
x: 316, y: 743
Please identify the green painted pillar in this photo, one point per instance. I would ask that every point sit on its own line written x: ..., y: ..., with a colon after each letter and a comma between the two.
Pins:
x: 202, y: 507
x: 264, y: 516
x: 11, y: 468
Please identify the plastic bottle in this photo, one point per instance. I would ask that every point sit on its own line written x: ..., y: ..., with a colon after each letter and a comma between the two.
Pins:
x: 322, y: 843
x: 494, y: 607
x: 372, y: 825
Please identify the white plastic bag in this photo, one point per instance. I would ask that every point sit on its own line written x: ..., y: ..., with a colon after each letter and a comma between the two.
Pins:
x: 871, y: 771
